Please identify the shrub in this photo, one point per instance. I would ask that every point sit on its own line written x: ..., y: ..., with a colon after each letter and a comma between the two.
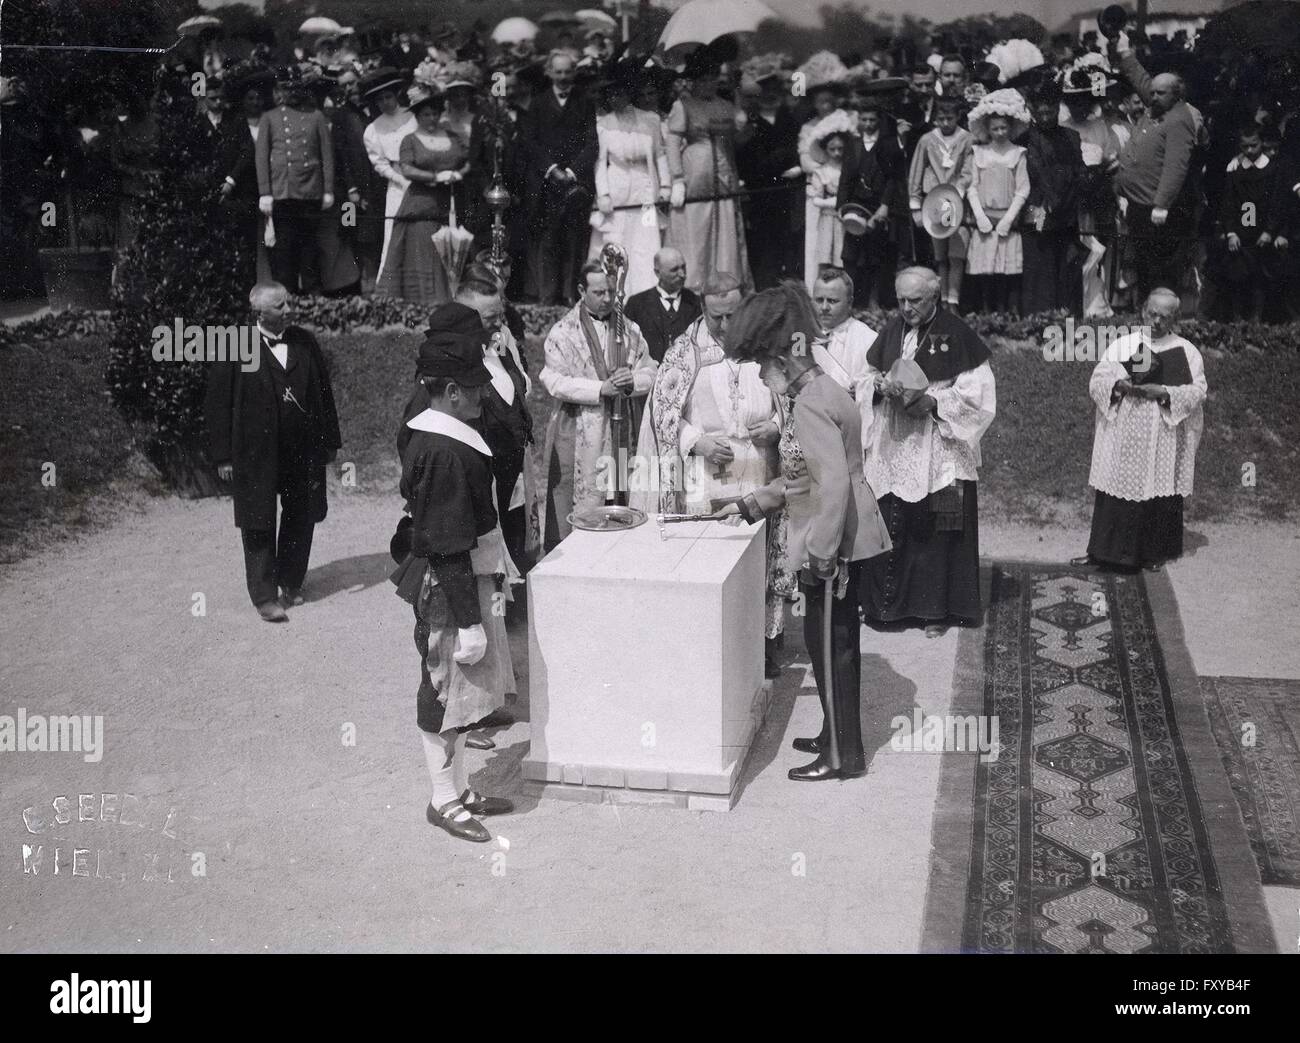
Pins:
x: 188, y: 261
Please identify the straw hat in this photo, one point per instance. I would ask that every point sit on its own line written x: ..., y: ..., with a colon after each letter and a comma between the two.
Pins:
x: 942, y: 211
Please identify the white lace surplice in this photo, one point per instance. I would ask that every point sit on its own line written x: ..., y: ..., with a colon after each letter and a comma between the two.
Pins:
x: 1140, y: 449
x: 930, y: 455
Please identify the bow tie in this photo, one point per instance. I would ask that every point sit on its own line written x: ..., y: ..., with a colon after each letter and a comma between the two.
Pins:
x: 562, y: 95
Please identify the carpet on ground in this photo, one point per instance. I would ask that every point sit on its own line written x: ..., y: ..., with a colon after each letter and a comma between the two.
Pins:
x: 1097, y: 828
x: 1256, y: 723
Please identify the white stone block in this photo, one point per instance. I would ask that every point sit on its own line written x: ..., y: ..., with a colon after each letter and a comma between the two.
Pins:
x: 647, y: 654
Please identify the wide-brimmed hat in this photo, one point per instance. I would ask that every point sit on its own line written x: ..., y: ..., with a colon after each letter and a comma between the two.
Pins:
x: 885, y: 85
x: 241, y: 79
x: 379, y: 80
x: 701, y: 63
x: 459, y: 74
x: 1019, y: 62
x: 854, y: 216
x: 419, y: 94
x: 837, y: 122
x: 625, y: 76
x: 1008, y: 103
x: 942, y: 211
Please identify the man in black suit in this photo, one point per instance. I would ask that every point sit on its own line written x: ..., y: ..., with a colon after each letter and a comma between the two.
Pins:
x: 665, y: 310
x: 873, y: 167
x: 246, y: 98
x: 271, y: 431
x: 558, y: 137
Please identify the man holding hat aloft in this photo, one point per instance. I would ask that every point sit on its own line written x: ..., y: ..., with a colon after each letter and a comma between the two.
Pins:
x: 456, y: 568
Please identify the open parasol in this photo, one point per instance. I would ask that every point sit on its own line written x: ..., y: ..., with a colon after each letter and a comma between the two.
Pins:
x: 453, y: 245
x: 703, y: 21
x: 593, y: 19
x: 514, y: 30
x: 558, y: 19
x: 312, y: 26
x: 194, y: 26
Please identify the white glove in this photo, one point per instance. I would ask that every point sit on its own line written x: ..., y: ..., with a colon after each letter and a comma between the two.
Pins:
x: 471, y: 645
x: 678, y: 197
x: 264, y: 204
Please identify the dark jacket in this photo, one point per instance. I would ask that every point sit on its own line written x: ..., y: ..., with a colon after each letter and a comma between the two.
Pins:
x: 237, y: 160
x: 563, y: 136
x: 872, y: 178
x: 1057, y: 176
x: 659, y: 327
x: 294, y: 154
x: 243, y: 419
x: 352, y: 167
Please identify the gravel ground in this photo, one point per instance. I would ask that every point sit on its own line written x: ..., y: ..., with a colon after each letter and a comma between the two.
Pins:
x: 235, y: 740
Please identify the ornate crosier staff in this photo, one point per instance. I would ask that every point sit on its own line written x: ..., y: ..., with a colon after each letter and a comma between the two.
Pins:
x: 496, y: 195
x: 614, y: 259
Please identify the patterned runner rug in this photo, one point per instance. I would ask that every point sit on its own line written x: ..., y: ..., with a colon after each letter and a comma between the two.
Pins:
x: 1256, y: 723
x: 1089, y: 835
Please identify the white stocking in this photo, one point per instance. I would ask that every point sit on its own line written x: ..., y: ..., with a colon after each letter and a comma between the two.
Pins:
x: 460, y: 765
x: 439, y: 754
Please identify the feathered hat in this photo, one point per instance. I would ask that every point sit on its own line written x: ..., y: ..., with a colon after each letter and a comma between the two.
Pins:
x: 823, y: 69
x: 837, y: 122
x: 1007, y: 102
x: 459, y: 74
x: 1017, y: 61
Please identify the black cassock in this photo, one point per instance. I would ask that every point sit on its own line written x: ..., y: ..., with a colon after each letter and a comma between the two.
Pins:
x: 932, y: 573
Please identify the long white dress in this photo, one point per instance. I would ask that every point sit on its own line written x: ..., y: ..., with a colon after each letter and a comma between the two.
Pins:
x: 828, y: 238
x: 631, y: 167
x: 383, y: 141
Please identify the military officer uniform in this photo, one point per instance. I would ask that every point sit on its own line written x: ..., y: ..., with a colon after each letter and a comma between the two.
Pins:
x: 295, y: 168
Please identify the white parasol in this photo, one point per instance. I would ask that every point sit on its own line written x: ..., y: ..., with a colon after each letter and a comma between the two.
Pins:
x: 319, y: 25
x: 514, y: 30
x: 194, y: 26
x: 703, y: 21
x: 593, y: 19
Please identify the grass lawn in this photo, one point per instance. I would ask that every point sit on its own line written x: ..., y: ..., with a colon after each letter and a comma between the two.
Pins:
x: 1036, y: 454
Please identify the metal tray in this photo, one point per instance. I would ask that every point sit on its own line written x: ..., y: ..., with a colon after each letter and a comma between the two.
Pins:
x: 607, y: 519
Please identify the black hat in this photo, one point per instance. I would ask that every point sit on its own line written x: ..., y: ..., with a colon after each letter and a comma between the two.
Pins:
x: 243, y: 78
x: 626, y: 75
x: 701, y: 63
x: 377, y: 80
x: 453, y: 347
x: 533, y: 76
x: 289, y: 76
x: 885, y: 85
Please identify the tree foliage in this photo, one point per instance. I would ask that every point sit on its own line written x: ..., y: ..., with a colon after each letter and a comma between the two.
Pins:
x: 188, y: 262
